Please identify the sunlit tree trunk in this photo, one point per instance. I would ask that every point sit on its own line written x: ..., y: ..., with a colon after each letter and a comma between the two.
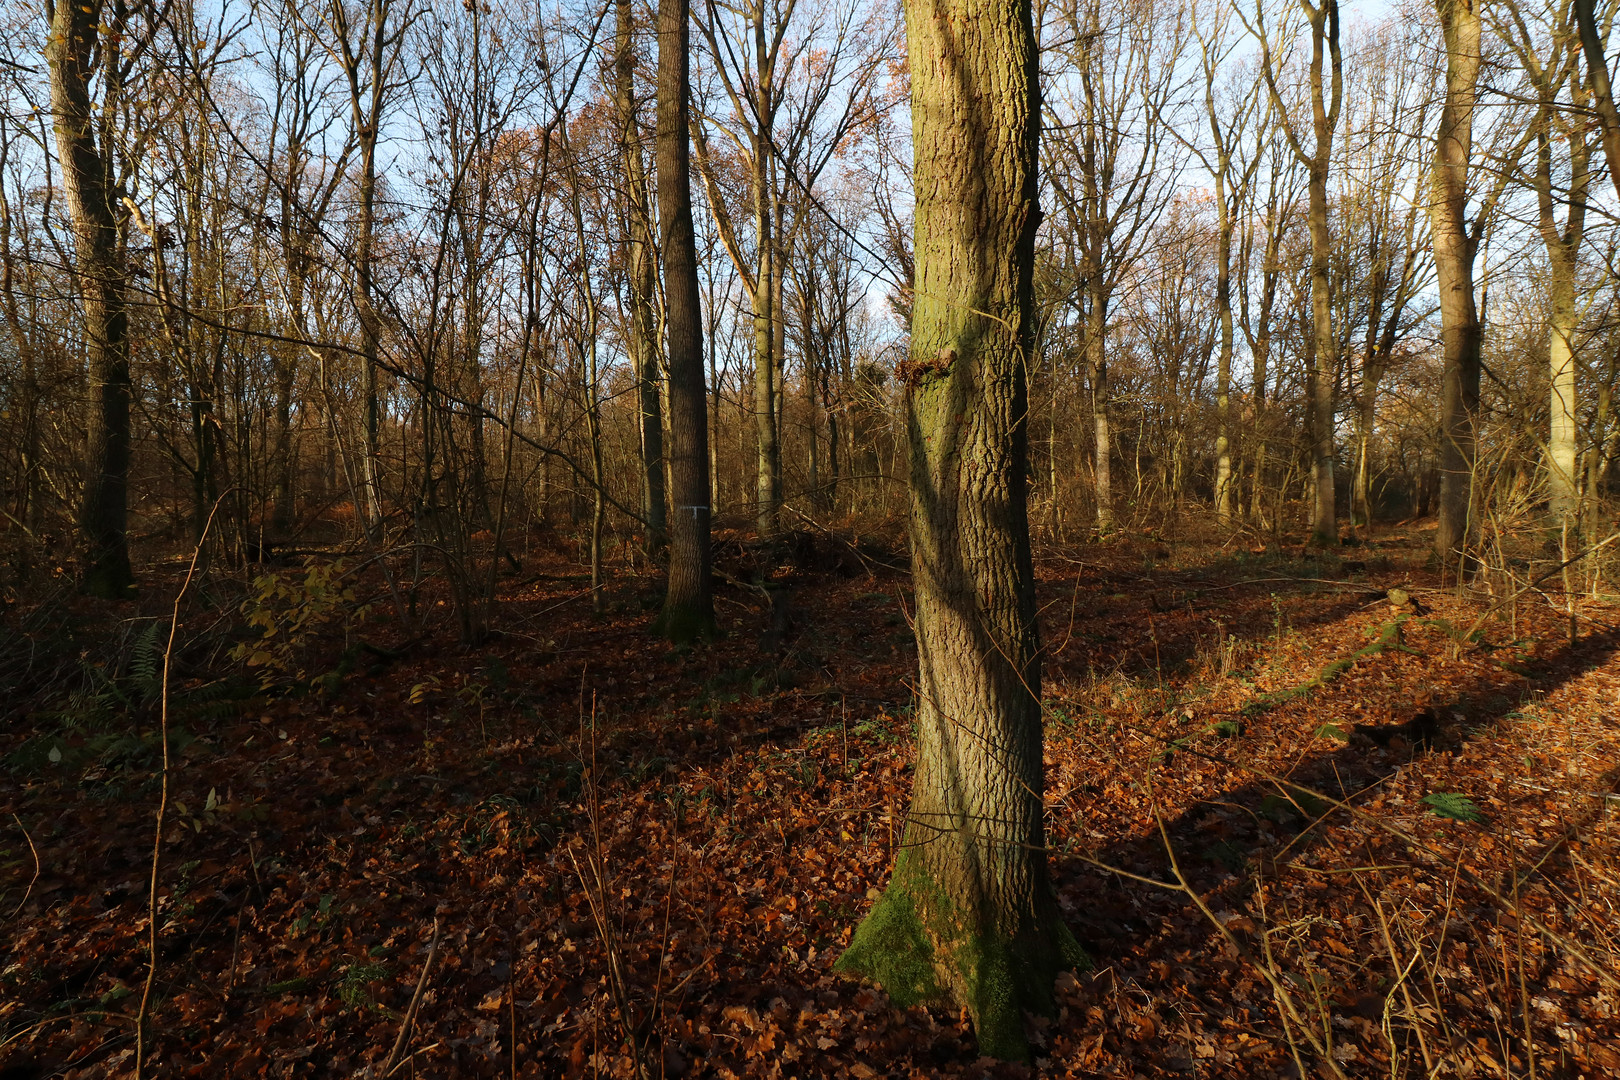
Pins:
x: 1324, y: 523
x: 768, y: 474
x: 1327, y: 94
x: 968, y: 917
x: 1097, y: 376
x: 1454, y: 266
x: 1555, y: 126
x: 688, y: 612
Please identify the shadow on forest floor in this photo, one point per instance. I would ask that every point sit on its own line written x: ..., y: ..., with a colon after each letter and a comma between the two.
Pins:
x: 746, y: 799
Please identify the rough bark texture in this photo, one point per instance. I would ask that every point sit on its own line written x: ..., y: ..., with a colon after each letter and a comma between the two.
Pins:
x: 688, y: 612
x: 71, y: 52
x: 1454, y: 271
x: 968, y: 917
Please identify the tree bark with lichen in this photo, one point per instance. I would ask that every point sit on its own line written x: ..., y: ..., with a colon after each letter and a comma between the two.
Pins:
x: 969, y: 918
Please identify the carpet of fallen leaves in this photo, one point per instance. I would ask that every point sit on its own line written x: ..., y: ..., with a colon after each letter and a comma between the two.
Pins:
x: 571, y: 845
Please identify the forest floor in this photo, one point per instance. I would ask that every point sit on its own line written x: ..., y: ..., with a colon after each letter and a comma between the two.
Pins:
x: 1296, y: 825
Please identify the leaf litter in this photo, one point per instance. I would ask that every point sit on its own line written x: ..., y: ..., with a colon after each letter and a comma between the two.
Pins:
x: 644, y: 860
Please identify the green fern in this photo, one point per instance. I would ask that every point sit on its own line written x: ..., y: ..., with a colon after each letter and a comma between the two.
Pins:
x: 146, y: 663
x: 1449, y: 804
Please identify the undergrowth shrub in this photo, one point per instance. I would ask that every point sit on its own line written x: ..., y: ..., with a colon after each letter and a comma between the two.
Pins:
x: 292, y: 613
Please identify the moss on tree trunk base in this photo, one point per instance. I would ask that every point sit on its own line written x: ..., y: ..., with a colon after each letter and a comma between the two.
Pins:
x: 914, y: 944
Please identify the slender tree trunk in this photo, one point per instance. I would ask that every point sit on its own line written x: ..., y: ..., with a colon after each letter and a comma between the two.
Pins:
x: 593, y: 418
x: 688, y: 613
x: 366, y: 55
x: 1454, y: 270
x: 71, y: 51
x: 1225, y: 486
x: 1599, y: 457
x: 281, y: 513
x: 768, y: 473
x: 1260, y: 356
x: 1602, y: 93
x: 1366, y: 415
x: 1097, y: 375
x: 1327, y: 94
x: 968, y: 916
x: 643, y: 266
x: 1324, y: 514
x: 1563, y: 248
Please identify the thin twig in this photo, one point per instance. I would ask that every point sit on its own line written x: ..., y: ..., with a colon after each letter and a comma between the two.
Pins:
x: 141, y: 1014
x: 35, y: 851
x: 405, y: 1022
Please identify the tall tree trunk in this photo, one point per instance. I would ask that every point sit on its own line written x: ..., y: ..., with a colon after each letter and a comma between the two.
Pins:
x: 1097, y: 375
x: 1225, y: 487
x: 643, y: 265
x: 1324, y: 516
x: 1454, y: 271
x: 365, y: 66
x: 1372, y: 373
x: 688, y: 612
x: 1563, y: 249
x: 1327, y: 94
x: 1564, y: 503
x: 1259, y: 339
x: 768, y: 473
x: 282, y: 465
x: 71, y: 51
x: 1260, y: 355
x: 968, y: 916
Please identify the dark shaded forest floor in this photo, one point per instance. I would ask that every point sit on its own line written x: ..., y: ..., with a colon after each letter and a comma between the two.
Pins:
x: 1409, y: 869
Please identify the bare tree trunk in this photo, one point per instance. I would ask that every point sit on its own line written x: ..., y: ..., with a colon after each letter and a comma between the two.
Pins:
x: 1259, y: 337
x: 1602, y: 93
x: 1556, y: 126
x: 1454, y: 266
x: 688, y: 612
x: 768, y: 473
x: 968, y: 917
x: 1326, y: 98
x: 643, y: 266
x: 1225, y: 488
x: 1097, y: 375
x: 365, y: 54
x: 72, y: 51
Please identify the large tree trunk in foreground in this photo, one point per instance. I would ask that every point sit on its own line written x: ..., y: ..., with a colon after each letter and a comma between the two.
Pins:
x: 969, y: 917
x: 688, y: 613
x: 1454, y: 271
x: 87, y: 176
